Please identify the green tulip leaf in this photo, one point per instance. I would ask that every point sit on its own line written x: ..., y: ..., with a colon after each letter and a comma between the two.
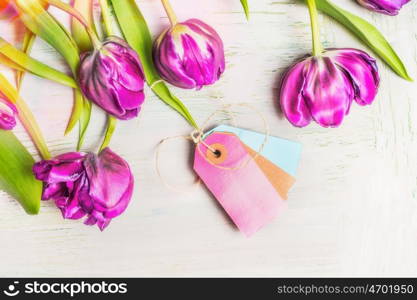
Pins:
x: 77, y: 110
x: 245, y: 7
x: 111, y: 127
x: 368, y: 34
x: 16, y: 177
x: 9, y: 63
x: 25, y: 115
x: 40, y: 22
x: 137, y: 34
x: 27, y: 44
x: 16, y: 163
x: 22, y: 62
x: 43, y: 24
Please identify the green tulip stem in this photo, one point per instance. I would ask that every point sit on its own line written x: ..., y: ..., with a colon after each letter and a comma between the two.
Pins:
x: 108, y: 28
x: 76, y: 14
x: 170, y: 12
x: 111, y: 126
x: 105, y: 14
x: 317, y: 46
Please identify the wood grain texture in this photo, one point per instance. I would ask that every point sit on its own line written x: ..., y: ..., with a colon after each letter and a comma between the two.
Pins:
x: 352, y: 211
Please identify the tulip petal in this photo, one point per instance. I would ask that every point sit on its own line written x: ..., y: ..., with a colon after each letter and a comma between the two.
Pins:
x: 113, y: 78
x: 388, y: 7
x: 215, y: 46
x: 127, y: 60
x: 77, y: 191
x: 111, y: 182
x: 63, y: 168
x: 41, y: 170
x: 63, y: 172
x: 8, y: 113
x: 96, y: 87
x: 291, y: 96
x: 327, y: 91
x: 99, y: 186
x: 128, y: 83
x: 94, y: 219
x: 71, y: 156
x: 190, y: 55
x: 102, y: 224
x: 363, y: 71
x: 90, y: 221
x: 54, y: 191
x: 136, y: 32
x: 120, y: 95
x: 200, y: 60
x: 169, y: 64
x: 71, y: 210
x: 102, y: 221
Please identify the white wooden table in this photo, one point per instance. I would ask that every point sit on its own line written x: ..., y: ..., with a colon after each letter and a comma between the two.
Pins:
x: 352, y: 212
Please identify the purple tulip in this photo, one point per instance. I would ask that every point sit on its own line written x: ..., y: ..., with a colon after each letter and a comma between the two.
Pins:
x: 189, y: 55
x: 322, y: 87
x: 388, y: 7
x: 85, y: 184
x: 8, y: 114
x: 112, y: 77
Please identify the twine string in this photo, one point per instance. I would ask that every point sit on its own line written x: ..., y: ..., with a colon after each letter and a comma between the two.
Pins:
x: 250, y: 158
x: 158, y: 169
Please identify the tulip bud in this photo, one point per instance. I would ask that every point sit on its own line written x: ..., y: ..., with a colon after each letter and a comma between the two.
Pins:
x: 322, y: 87
x: 388, y: 7
x: 8, y: 113
x: 112, y: 77
x: 97, y: 186
x: 189, y: 55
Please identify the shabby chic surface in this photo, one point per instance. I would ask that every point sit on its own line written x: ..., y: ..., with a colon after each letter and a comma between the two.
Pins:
x: 352, y: 212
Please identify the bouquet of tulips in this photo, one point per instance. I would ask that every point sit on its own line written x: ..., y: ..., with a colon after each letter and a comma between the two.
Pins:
x: 110, y: 70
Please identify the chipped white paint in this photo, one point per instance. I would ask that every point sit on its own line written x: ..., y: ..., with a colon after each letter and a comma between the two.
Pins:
x: 352, y: 212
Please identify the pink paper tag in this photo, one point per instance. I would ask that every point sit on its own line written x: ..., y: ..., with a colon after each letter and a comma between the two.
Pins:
x: 237, y: 182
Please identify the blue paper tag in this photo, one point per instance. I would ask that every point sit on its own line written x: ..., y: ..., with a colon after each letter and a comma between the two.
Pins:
x: 283, y: 153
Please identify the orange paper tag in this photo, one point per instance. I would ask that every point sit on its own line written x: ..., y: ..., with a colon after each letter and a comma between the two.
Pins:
x: 278, y: 178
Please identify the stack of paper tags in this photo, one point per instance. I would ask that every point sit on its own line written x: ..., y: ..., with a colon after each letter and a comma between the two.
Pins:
x: 249, y: 175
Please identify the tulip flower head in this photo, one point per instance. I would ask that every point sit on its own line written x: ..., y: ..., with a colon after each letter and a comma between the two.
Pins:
x: 189, y: 55
x: 388, y: 7
x: 8, y: 112
x: 85, y: 184
x: 321, y: 88
x: 112, y: 77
